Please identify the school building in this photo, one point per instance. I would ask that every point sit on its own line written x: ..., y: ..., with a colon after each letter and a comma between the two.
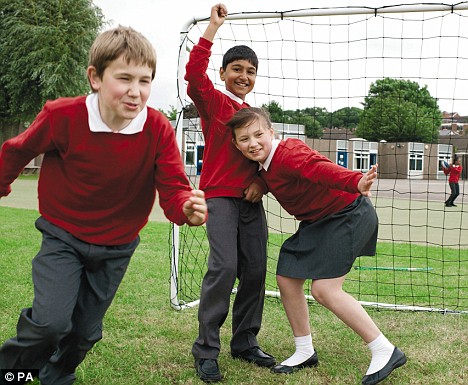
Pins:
x: 409, y: 160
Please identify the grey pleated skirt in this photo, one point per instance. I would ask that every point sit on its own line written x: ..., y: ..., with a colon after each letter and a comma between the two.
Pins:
x: 328, y: 247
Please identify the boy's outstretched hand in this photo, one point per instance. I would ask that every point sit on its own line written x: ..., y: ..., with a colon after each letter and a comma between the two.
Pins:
x: 365, y: 183
x: 218, y: 14
x: 217, y: 17
x: 195, y: 208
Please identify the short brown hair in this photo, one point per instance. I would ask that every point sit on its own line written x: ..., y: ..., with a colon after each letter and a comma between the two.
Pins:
x: 246, y: 116
x: 111, y: 44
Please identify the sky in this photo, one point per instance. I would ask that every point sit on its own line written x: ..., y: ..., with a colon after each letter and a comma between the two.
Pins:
x: 162, y: 20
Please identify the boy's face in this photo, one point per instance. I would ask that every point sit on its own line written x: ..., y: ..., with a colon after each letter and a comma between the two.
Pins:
x: 254, y: 140
x: 123, y: 91
x: 239, y: 77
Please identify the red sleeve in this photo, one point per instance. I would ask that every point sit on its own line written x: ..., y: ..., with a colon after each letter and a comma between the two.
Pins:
x: 17, y: 152
x: 170, y: 179
x: 317, y: 168
x: 200, y: 87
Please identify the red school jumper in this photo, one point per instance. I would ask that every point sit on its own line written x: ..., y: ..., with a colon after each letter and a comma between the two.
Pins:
x: 307, y: 184
x: 454, y: 172
x: 226, y: 172
x: 98, y: 186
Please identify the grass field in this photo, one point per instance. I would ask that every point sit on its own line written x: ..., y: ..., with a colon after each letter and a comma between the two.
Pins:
x: 147, y: 342
x: 404, y: 274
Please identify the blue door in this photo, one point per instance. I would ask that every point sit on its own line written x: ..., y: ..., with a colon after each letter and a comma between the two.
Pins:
x: 342, y: 158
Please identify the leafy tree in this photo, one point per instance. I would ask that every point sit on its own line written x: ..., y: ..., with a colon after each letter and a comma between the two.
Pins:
x: 171, y: 114
x: 306, y: 117
x: 347, y: 117
x: 319, y: 114
x: 399, y: 111
x: 43, y: 53
x: 276, y: 112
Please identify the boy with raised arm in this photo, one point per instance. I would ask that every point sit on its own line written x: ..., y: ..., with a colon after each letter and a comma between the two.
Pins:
x: 236, y: 225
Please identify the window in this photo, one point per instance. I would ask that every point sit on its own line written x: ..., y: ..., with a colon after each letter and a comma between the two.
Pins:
x: 190, y: 154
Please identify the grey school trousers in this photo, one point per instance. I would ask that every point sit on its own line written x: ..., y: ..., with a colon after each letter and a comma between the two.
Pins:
x: 74, y: 285
x: 237, y: 235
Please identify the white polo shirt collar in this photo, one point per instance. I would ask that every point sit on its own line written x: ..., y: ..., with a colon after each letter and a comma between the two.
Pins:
x: 96, y: 123
x: 232, y: 96
x: 266, y: 164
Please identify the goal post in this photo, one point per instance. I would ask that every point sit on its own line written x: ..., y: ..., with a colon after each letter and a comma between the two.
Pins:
x: 319, y: 63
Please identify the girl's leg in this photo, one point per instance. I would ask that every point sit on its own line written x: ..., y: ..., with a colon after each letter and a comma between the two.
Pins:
x: 297, y: 311
x: 329, y: 293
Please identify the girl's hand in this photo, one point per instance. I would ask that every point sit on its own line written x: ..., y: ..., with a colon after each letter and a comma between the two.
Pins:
x: 365, y: 183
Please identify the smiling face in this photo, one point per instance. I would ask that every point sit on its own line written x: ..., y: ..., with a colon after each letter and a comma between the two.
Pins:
x: 239, y: 77
x: 123, y: 90
x: 254, y: 140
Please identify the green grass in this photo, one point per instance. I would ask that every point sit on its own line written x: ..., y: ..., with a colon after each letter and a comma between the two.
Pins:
x: 441, y: 284
x: 147, y: 342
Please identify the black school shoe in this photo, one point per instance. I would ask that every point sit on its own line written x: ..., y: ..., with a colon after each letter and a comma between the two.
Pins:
x: 256, y: 356
x: 208, y: 370
x: 397, y: 359
x: 285, y: 369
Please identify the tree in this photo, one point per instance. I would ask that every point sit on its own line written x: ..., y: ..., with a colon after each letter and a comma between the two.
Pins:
x: 399, y: 110
x: 347, y: 117
x: 275, y: 111
x: 307, y: 117
x: 171, y: 114
x: 44, y: 48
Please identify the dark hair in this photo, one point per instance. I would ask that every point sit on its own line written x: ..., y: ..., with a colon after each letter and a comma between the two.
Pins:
x: 240, y: 52
x: 246, y: 116
x: 455, y: 158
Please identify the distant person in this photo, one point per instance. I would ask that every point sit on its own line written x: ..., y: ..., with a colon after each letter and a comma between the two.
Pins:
x: 236, y: 226
x: 106, y: 155
x: 453, y: 171
x: 338, y: 224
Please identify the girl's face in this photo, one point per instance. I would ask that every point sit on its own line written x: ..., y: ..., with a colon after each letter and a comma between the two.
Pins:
x: 254, y: 140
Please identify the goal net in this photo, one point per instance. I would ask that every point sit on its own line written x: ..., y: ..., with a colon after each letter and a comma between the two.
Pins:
x: 316, y: 70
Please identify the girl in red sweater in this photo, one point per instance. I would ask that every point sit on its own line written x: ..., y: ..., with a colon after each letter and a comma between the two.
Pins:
x: 453, y: 171
x: 338, y: 224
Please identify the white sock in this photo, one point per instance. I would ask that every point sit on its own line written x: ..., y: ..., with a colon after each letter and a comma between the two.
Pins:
x: 304, y: 350
x: 381, y: 350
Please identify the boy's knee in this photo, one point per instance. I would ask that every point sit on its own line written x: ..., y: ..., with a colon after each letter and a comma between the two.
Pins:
x: 51, y: 332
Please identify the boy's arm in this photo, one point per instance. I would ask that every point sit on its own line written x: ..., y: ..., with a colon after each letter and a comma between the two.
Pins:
x: 200, y: 88
x: 179, y: 202
x: 217, y: 17
x: 17, y: 152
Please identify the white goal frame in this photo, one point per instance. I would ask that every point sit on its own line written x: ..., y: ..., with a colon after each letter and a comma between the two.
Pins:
x: 181, y: 84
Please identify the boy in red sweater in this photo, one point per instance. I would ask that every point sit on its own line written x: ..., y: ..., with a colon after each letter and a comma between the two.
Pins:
x: 338, y: 224
x: 453, y: 171
x: 106, y: 155
x: 236, y: 226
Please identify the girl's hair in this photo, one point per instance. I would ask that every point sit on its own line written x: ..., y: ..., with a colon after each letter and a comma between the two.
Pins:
x: 455, y: 158
x: 240, y: 52
x: 125, y: 41
x: 246, y: 116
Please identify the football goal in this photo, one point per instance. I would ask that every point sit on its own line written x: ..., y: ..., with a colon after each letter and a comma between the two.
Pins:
x: 397, y: 75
